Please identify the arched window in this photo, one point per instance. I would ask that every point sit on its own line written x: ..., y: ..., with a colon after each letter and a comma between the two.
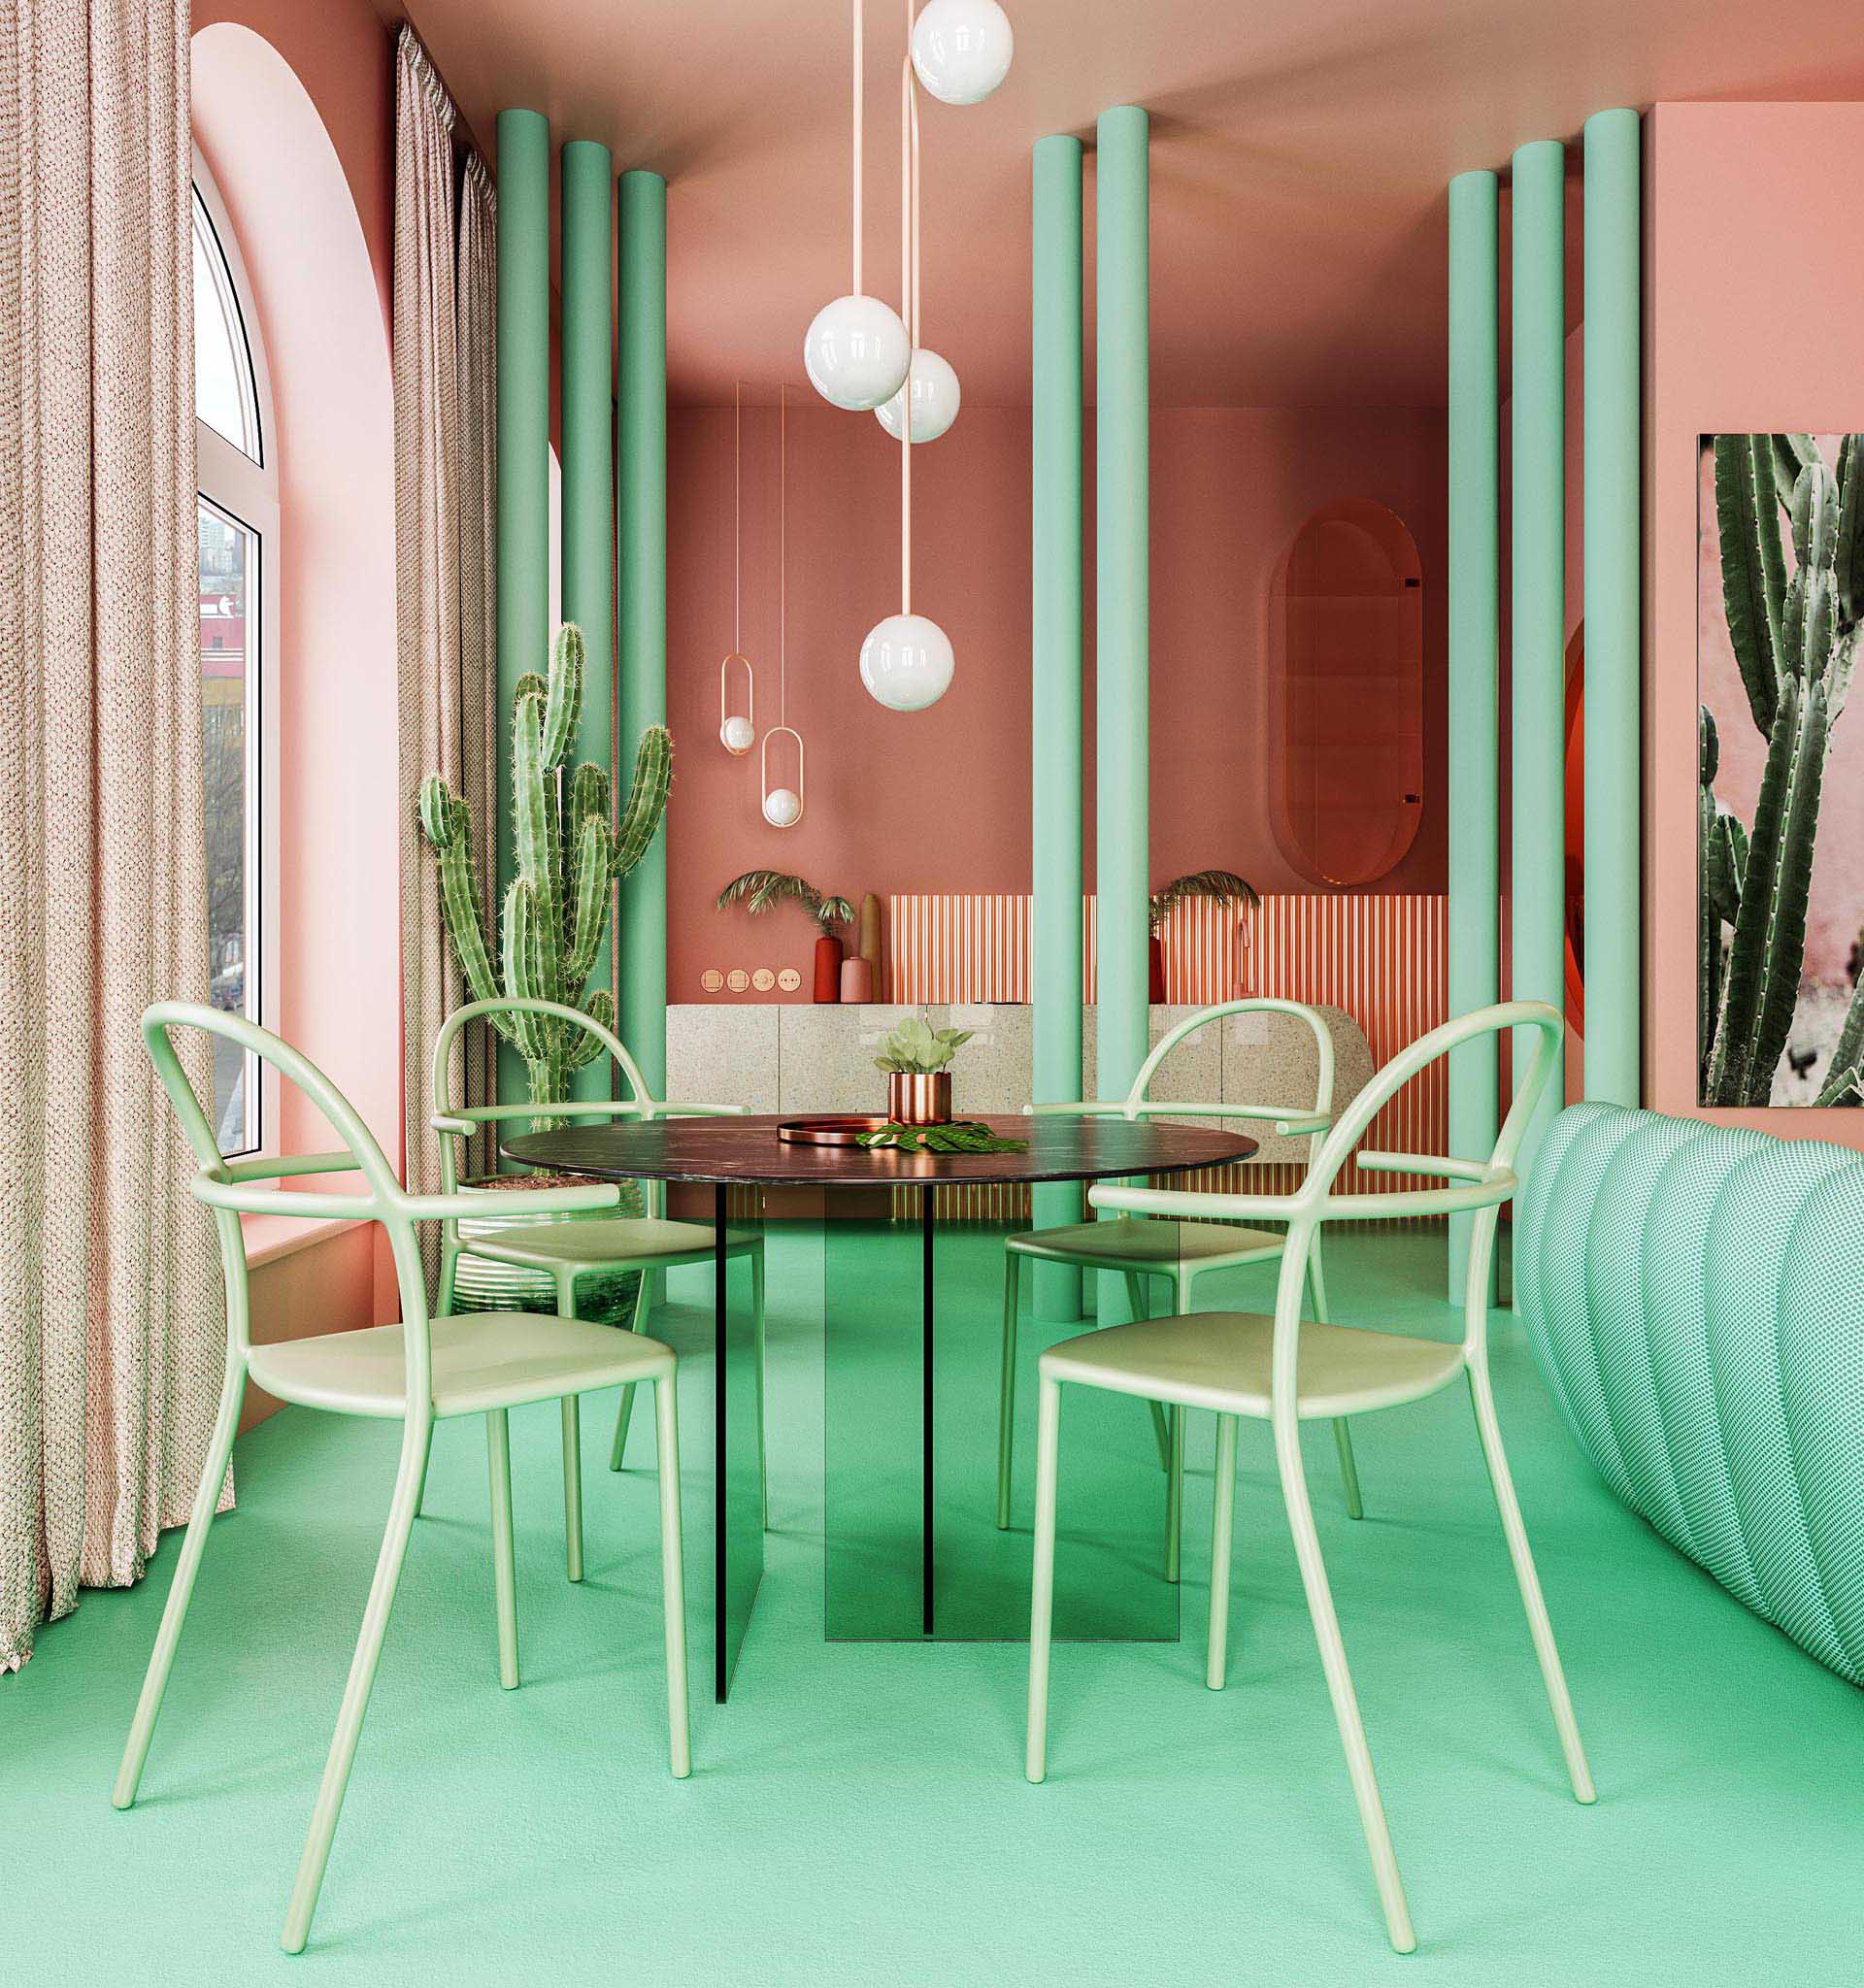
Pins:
x: 236, y: 536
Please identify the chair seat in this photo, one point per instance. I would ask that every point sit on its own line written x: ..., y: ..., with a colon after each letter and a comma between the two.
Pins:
x: 1220, y: 1360
x: 622, y: 1242
x: 1139, y: 1240
x: 481, y: 1360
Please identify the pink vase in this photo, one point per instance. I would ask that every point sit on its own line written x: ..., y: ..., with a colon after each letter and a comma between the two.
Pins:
x: 857, y: 980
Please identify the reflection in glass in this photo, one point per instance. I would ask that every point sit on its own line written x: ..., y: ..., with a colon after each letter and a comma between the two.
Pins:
x: 228, y: 598
x: 224, y: 394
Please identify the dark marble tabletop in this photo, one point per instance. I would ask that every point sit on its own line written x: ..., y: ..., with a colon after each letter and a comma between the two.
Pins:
x: 727, y: 1149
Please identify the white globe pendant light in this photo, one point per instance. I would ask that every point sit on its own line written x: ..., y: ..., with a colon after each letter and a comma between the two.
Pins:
x: 906, y: 662
x: 738, y: 735
x: 782, y: 807
x: 856, y: 351
x: 932, y: 387
x: 962, y: 49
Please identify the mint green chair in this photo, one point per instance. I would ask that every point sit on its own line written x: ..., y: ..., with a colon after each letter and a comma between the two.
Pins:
x: 413, y: 1373
x: 566, y: 1250
x: 1178, y: 1252
x: 1285, y: 1370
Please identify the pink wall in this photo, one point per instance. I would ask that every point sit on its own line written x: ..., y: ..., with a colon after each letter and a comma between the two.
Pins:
x: 293, y: 111
x: 1752, y: 323
x: 939, y: 801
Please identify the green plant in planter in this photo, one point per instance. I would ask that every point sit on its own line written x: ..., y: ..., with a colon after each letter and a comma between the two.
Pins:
x: 916, y: 1049
x: 761, y: 891
x: 1224, y: 886
x: 569, y: 857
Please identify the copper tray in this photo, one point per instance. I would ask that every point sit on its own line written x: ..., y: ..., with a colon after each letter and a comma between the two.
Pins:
x: 828, y: 1130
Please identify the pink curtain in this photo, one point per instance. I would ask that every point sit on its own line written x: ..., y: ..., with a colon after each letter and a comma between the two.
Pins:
x: 112, y: 1327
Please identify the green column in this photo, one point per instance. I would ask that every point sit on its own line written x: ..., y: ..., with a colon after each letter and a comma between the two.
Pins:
x: 1055, y: 445
x: 1123, y: 362
x: 588, y: 473
x: 640, y: 470
x: 523, y: 393
x: 1612, y: 636
x: 1538, y: 648
x: 1474, y: 589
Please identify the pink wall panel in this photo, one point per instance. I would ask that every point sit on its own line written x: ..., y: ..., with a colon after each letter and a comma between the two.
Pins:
x: 939, y: 802
x: 1752, y: 322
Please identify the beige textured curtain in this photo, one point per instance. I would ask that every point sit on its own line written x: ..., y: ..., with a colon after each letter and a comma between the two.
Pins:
x: 112, y: 1327
x: 476, y: 307
x: 444, y: 553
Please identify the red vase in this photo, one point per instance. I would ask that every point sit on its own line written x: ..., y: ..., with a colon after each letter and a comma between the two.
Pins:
x: 829, y: 967
x: 1156, y: 977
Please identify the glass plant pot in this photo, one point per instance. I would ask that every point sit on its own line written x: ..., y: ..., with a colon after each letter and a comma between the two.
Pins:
x: 913, y: 1099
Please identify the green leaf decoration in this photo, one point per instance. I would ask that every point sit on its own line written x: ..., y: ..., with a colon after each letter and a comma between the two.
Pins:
x: 960, y: 1136
x: 1223, y: 887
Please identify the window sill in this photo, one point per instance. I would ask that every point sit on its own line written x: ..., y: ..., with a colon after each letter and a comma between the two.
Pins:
x: 270, y: 1237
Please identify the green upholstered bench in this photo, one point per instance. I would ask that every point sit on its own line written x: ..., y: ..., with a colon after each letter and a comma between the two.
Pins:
x: 1694, y: 1296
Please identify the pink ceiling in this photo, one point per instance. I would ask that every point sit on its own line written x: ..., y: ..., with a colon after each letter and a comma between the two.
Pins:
x: 1299, y: 155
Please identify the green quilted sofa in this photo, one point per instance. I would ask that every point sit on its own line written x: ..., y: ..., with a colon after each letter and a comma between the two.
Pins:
x: 1694, y: 1296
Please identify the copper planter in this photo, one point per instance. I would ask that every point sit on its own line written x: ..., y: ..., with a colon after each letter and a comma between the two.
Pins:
x: 915, y: 1100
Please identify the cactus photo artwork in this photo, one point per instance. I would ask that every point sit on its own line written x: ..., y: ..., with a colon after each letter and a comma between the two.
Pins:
x: 1780, y: 572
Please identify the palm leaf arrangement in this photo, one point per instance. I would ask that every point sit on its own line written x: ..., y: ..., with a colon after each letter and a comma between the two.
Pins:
x: 762, y: 890
x: 1225, y: 887
x: 1795, y: 638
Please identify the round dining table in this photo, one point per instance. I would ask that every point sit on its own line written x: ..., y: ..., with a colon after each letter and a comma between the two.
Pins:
x: 908, y: 1252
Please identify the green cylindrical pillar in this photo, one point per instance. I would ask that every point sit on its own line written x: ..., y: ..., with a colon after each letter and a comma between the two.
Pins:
x: 1538, y: 648
x: 641, y: 469
x: 589, y: 474
x: 1612, y: 634
x: 523, y: 396
x: 1123, y: 362
x: 1475, y: 884
x: 1055, y: 630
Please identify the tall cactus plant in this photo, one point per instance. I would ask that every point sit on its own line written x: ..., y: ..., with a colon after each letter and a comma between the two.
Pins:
x: 1795, y: 639
x: 568, y: 855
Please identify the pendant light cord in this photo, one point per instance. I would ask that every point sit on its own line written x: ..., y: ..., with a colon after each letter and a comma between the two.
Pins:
x: 738, y: 516
x: 908, y: 298
x: 782, y: 557
x: 860, y: 11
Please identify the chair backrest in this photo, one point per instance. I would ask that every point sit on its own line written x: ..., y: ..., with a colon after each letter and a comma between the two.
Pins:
x: 231, y: 1187
x: 1477, y: 1186
x: 454, y: 1121
x: 1139, y: 1100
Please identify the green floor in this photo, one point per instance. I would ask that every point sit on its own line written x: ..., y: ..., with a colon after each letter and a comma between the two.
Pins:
x: 857, y: 1812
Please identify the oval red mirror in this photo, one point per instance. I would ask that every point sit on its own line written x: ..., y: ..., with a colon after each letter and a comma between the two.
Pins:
x: 1346, y: 694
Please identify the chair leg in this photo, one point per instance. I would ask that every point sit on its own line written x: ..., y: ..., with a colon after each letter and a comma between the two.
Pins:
x: 219, y: 1449
x: 355, y: 1693
x: 642, y: 1298
x: 426, y: 1457
x: 762, y: 1350
x: 1346, y: 1705
x: 1348, y: 1468
x: 572, y: 1410
x: 1175, y: 1456
x: 1342, y: 1435
x: 498, y: 1457
x: 1175, y: 1497
x: 673, y: 1584
x: 1222, y: 1525
x: 1042, y: 1586
x: 1481, y: 1395
x: 1007, y: 1386
x: 1139, y: 1306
